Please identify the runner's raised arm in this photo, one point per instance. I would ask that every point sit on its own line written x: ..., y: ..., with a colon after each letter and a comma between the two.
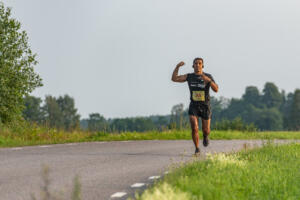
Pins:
x: 175, y: 76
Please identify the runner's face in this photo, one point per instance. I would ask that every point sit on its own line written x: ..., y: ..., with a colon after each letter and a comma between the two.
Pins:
x: 198, y: 65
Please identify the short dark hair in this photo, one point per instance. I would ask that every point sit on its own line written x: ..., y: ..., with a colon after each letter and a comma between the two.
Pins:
x: 198, y: 58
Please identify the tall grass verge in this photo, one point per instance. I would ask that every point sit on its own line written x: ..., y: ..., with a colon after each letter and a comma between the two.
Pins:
x: 272, y: 172
x: 31, y: 134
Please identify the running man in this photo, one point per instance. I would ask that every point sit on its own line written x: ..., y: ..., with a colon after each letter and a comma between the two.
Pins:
x: 199, y: 84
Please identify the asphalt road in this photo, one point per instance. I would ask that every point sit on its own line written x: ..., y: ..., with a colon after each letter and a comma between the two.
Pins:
x: 105, y: 169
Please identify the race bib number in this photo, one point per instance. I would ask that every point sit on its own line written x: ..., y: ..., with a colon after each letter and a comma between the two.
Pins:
x: 198, y: 96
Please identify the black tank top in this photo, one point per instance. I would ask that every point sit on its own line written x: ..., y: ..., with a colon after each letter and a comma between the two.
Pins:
x: 199, y: 92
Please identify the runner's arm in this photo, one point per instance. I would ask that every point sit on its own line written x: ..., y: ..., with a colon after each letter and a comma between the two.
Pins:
x: 175, y: 76
x: 214, y: 86
x: 209, y: 79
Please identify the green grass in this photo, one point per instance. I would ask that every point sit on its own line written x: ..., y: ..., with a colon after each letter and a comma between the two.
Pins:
x: 271, y: 172
x: 35, y: 135
x: 186, y: 134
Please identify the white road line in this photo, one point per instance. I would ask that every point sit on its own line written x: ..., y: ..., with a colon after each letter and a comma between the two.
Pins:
x: 136, y: 185
x: 154, y: 177
x: 118, y: 194
x: 44, y: 146
x: 70, y: 144
x: 16, y: 148
x: 101, y: 142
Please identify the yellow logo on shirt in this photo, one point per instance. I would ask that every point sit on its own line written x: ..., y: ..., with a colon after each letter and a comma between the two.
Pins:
x: 198, y: 96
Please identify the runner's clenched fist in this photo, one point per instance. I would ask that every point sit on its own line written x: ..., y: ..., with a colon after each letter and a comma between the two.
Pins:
x: 205, y: 78
x: 180, y: 64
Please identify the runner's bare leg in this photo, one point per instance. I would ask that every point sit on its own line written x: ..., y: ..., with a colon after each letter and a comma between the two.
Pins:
x: 205, y: 126
x: 195, y: 127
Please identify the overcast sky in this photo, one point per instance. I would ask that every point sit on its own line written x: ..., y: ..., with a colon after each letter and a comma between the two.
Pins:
x: 116, y: 57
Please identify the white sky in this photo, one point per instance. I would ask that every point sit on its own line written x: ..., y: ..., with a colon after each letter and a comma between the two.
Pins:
x: 116, y: 57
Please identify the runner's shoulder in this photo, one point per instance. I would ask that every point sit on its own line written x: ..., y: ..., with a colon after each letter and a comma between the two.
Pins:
x: 207, y: 74
x: 188, y: 75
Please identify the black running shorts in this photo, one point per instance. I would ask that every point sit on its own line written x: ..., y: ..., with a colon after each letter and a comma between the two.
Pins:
x: 201, y: 110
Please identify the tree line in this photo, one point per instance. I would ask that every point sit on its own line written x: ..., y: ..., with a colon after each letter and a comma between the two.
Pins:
x: 55, y: 112
x: 267, y: 110
x: 270, y: 109
x: 255, y: 110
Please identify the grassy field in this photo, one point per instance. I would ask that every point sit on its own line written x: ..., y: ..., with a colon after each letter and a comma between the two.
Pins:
x: 271, y: 172
x: 34, y: 135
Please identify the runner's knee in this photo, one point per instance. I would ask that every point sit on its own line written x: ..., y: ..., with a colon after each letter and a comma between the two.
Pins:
x: 195, y: 129
x: 206, y: 130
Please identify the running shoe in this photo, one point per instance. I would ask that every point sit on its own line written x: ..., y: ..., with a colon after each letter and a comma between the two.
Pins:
x: 205, y: 140
x: 197, y: 151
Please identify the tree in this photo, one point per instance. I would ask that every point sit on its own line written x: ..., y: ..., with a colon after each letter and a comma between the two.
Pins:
x: 33, y: 111
x: 68, y: 112
x: 294, y: 119
x: 286, y: 108
x: 97, y: 122
x: 53, y: 114
x: 119, y: 124
x: 61, y: 112
x: 143, y: 124
x: 162, y: 123
x: 234, y: 110
x: 272, y: 97
x: 17, y: 76
x: 252, y: 96
x: 177, y: 115
x: 217, y: 106
x: 269, y: 119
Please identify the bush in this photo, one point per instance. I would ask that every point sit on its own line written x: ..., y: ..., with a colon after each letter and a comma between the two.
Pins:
x: 236, y: 124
